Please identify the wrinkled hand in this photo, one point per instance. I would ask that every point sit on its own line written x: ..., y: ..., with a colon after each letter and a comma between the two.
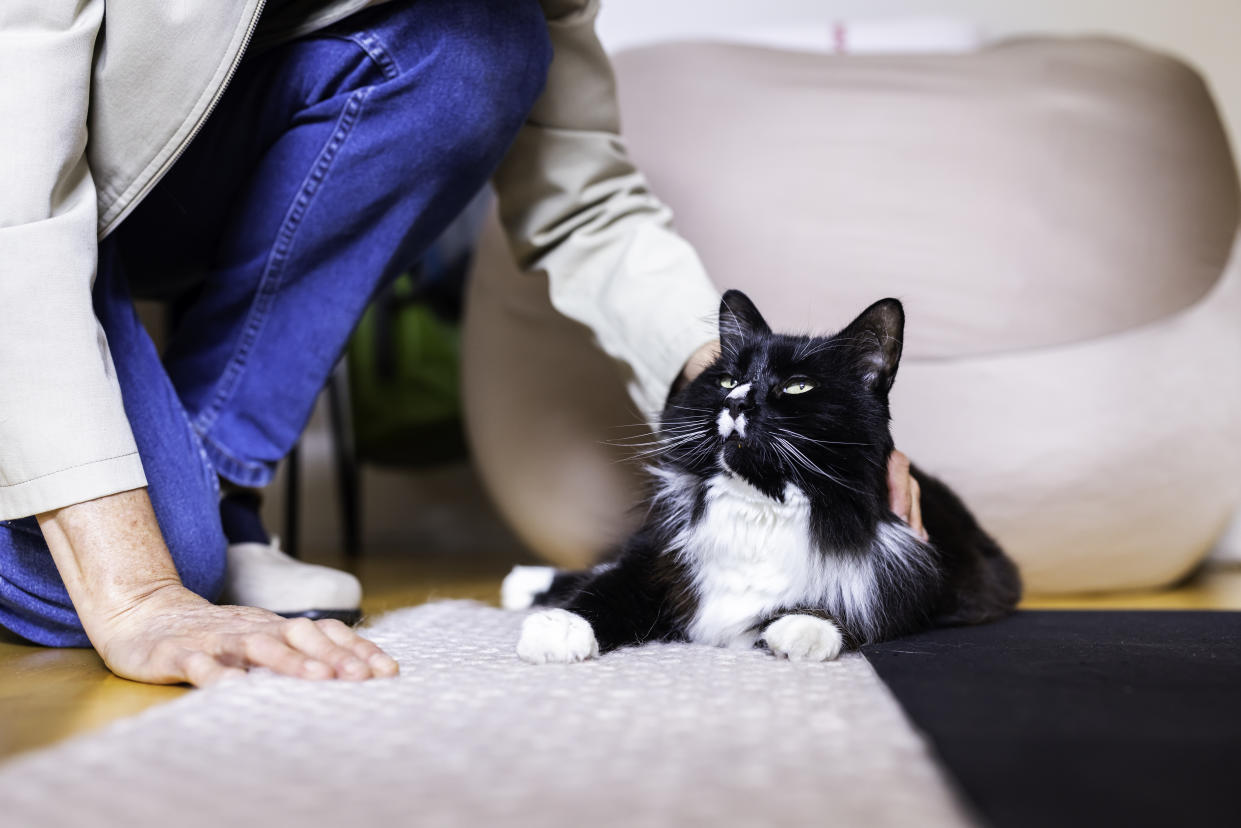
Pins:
x: 173, y: 636
x: 904, y: 495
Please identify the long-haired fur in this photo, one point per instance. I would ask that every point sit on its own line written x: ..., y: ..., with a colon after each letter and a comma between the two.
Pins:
x: 769, y: 501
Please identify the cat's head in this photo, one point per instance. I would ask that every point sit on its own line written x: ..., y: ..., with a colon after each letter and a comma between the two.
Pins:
x: 776, y: 409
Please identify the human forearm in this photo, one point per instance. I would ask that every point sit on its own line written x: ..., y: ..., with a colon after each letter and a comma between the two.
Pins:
x: 575, y: 208
x: 111, y: 556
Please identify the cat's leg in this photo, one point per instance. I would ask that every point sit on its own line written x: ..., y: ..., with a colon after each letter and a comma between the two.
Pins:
x: 804, y: 635
x: 619, y: 606
x: 523, y: 585
x: 542, y: 586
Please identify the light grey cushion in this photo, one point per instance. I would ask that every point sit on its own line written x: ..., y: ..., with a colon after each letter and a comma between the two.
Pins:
x: 1039, y: 192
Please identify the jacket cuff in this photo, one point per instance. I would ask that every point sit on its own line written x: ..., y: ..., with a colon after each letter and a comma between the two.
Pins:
x: 658, y: 365
x: 76, y: 484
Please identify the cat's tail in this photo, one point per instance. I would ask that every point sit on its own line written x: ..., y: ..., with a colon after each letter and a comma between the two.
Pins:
x: 984, y: 584
x: 540, y: 586
x: 993, y: 590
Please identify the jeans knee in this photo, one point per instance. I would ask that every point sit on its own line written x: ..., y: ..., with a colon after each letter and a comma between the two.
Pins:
x: 519, y: 57
x: 491, y: 71
x: 200, y: 552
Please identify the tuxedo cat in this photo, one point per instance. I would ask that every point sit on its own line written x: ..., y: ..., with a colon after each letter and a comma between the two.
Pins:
x: 767, y: 521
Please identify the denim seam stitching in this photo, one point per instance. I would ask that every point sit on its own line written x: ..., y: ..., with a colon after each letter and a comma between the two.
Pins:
x: 235, y: 466
x: 273, y: 271
x: 208, y: 466
x: 377, y: 52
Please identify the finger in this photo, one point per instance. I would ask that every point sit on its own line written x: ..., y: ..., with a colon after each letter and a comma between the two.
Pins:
x: 307, y: 637
x: 263, y: 650
x: 202, y: 670
x: 382, y: 664
x: 701, y: 359
x: 915, y: 509
x: 899, y: 480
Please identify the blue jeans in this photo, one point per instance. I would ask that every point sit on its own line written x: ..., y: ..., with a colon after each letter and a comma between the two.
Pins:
x: 328, y: 167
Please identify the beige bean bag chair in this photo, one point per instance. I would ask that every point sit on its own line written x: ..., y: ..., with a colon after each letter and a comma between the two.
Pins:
x: 1060, y: 219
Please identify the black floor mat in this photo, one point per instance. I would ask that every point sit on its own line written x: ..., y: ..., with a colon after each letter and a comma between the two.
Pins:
x: 1082, y: 718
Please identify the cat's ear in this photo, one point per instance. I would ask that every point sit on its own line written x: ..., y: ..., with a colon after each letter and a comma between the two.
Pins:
x: 876, y: 335
x: 739, y: 320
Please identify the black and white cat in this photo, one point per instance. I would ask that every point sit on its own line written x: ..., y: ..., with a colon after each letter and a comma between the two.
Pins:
x: 768, y: 519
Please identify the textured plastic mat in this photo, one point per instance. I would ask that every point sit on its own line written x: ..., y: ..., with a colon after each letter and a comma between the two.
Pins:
x: 664, y: 735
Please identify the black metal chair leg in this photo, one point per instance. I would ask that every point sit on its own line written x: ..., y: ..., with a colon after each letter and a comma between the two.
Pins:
x: 347, y: 479
x: 292, y: 491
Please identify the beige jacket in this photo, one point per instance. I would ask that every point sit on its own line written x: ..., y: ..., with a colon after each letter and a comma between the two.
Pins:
x: 572, y: 203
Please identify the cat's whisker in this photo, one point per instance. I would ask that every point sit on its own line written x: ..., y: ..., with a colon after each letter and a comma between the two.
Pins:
x: 665, y: 422
x: 795, y: 435
x: 643, y: 444
x: 683, y: 438
x: 663, y: 441
x: 647, y: 425
x: 796, y: 468
x: 699, y: 452
x: 667, y: 445
x: 801, y: 459
x: 655, y: 436
x: 810, y: 348
x: 695, y: 422
x: 659, y: 434
x: 790, y: 460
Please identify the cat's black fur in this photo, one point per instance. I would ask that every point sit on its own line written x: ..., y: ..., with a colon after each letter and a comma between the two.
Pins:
x: 832, y: 442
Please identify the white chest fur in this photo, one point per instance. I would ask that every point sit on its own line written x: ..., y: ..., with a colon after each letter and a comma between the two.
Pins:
x: 753, y: 555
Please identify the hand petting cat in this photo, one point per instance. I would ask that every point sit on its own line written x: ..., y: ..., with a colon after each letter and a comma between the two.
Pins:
x: 904, y: 494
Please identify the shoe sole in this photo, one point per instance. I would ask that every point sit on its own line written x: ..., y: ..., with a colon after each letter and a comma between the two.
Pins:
x: 350, y: 617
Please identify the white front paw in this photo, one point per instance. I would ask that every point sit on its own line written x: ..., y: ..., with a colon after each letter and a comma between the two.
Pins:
x: 524, y: 584
x: 803, y: 638
x: 557, y: 637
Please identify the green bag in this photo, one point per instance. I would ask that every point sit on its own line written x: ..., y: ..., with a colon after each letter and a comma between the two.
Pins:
x: 405, y: 382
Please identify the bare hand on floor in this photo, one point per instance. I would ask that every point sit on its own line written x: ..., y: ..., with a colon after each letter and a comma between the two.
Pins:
x: 149, y: 627
x: 175, y: 636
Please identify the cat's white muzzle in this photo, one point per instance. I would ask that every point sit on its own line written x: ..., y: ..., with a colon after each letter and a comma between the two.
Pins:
x: 728, y: 424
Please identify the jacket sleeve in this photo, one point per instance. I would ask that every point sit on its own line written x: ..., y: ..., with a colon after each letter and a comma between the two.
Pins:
x: 574, y: 206
x: 64, y: 436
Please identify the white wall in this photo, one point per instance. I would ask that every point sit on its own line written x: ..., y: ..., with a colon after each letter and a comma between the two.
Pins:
x: 1205, y: 33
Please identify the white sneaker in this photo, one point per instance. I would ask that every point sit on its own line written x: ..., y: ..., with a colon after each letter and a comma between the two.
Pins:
x: 260, y: 575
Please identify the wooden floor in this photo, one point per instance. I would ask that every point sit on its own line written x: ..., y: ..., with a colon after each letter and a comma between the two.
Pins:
x: 47, y: 695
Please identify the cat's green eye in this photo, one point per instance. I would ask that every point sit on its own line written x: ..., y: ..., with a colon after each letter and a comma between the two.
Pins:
x: 798, y: 386
x: 727, y: 382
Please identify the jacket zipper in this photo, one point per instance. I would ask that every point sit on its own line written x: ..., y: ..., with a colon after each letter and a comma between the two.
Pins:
x: 198, y: 125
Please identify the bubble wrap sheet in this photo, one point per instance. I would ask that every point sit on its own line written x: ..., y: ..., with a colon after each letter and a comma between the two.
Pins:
x: 663, y: 735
